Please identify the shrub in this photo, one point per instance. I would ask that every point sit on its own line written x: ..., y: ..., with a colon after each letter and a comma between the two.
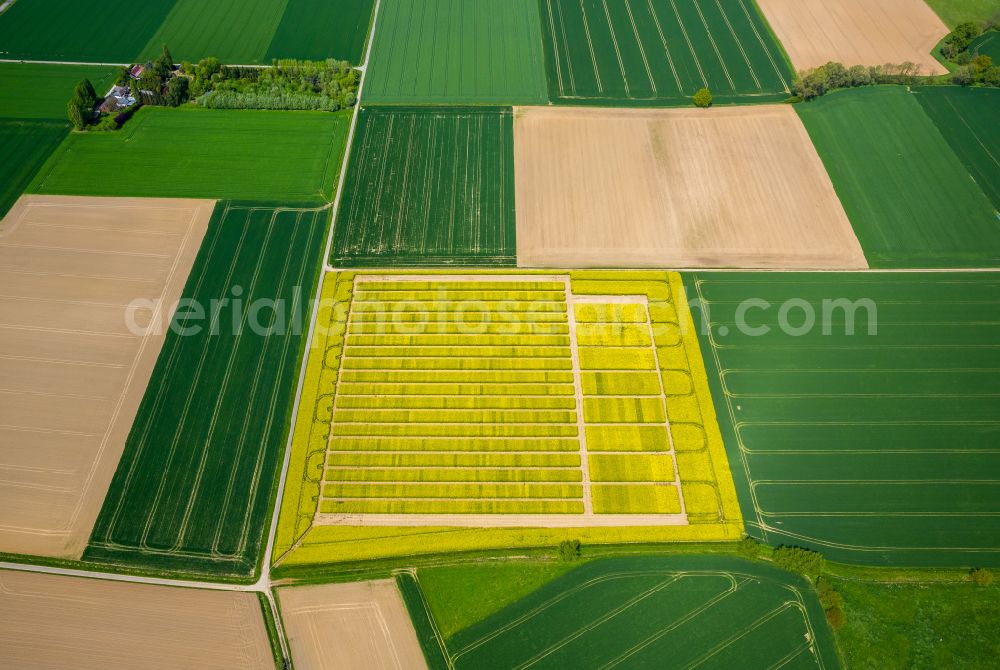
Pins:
x: 569, y: 550
x: 796, y: 559
x: 829, y: 597
x: 703, y: 98
x: 836, y: 618
x: 750, y: 547
x: 981, y: 577
x: 177, y: 91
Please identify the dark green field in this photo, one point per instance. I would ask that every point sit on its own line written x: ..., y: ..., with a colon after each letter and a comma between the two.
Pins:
x: 457, y: 52
x: 108, y: 31
x: 910, y: 199
x: 24, y: 145
x: 204, y: 153
x: 429, y: 187
x: 987, y: 44
x: 193, y: 489
x: 660, y: 52
x: 969, y: 119
x: 662, y: 612
x: 872, y: 448
x: 320, y: 29
x: 37, y: 91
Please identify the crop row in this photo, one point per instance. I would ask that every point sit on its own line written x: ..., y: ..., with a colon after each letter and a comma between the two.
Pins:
x: 472, y: 459
x: 432, y: 339
x: 460, y: 352
x: 413, y: 417
x: 620, y: 383
x: 451, y: 389
x: 442, y: 325
x: 617, y: 358
x: 406, y: 402
x: 627, y: 438
x: 437, y: 307
x: 609, y: 313
x: 438, y: 490
x: 635, y: 499
x: 631, y: 468
x: 613, y: 335
x: 473, y: 444
x: 461, y: 314
x: 451, y: 507
x: 453, y: 363
x: 624, y: 410
x: 427, y: 430
x: 457, y: 376
x: 363, y: 286
x: 443, y: 291
x: 496, y: 475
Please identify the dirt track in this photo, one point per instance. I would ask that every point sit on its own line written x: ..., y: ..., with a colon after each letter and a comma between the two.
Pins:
x: 726, y: 187
x: 72, y: 373
x: 361, y: 625
x: 49, y: 621
x: 857, y: 32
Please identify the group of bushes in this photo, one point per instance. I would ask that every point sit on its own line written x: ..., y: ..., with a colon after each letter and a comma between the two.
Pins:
x: 811, y: 84
x: 973, y: 69
x: 325, y: 86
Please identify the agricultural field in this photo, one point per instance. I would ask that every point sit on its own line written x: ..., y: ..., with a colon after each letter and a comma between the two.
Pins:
x: 40, y: 91
x: 25, y: 146
x: 457, y: 52
x: 562, y: 405
x: 320, y: 29
x: 51, y: 621
x: 647, y: 611
x: 857, y: 32
x: 235, y: 31
x: 899, y: 179
x: 194, y: 485
x: 987, y: 44
x: 428, y: 187
x: 967, y: 119
x: 725, y: 187
x: 109, y: 31
x: 660, y: 52
x: 87, y: 259
x: 204, y: 153
x: 871, y: 435
x: 954, y: 12
x: 356, y: 625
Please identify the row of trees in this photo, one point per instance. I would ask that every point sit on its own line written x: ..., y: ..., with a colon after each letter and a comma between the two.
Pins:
x: 819, y: 81
x: 80, y: 109
x: 327, y: 86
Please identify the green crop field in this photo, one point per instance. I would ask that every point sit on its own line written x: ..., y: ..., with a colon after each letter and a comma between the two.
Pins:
x: 877, y: 448
x: 638, y: 612
x: 953, y: 12
x: 457, y: 52
x: 660, y: 52
x: 987, y: 44
x: 320, y: 29
x: 967, y: 117
x: 37, y: 91
x: 429, y: 187
x: 24, y: 145
x: 910, y: 199
x: 109, y: 31
x: 194, y: 485
x: 202, y: 153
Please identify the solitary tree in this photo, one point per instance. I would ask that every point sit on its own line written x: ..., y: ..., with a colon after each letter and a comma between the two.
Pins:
x: 703, y: 98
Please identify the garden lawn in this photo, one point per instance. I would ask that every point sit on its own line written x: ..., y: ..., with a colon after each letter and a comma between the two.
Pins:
x: 196, y: 480
x: 457, y: 52
x: 108, y: 31
x: 967, y: 117
x: 41, y: 91
x: 24, y: 146
x: 871, y: 435
x: 320, y: 29
x: 199, y: 153
x: 910, y: 199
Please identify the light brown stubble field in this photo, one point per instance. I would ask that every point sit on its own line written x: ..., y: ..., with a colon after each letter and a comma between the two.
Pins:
x: 345, y: 626
x: 51, y: 621
x: 73, y: 374
x: 681, y: 188
x: 857, y: 32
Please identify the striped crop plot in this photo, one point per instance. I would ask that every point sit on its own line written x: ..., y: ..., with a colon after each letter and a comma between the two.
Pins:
x: 194, y: 485
x: 457, y: 52
x: 872, y: 436
x: 429, y: 187
x: 504, y: 401
x: 655, y: 612
x: 660, y: 52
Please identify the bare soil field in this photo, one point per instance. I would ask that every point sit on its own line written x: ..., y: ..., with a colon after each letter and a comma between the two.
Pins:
x: 361, y: 625
x: 51, y: 621
x: 72, y: 372
x: 857, y: 32
x: 725, y: 187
